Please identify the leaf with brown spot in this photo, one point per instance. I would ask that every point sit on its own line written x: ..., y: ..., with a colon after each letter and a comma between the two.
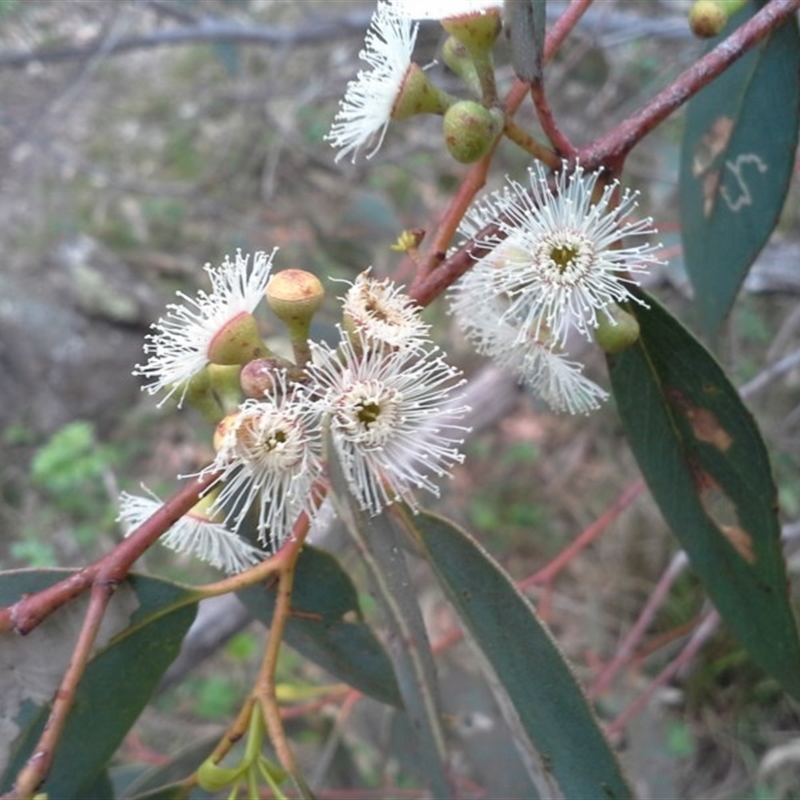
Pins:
x: 738, y: 151
x: 706, y: 465
x: 741, y: 540
x: 711, y: 144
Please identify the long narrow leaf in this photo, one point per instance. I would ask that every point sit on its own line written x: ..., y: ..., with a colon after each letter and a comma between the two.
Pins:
x: 551, y: 706
x: 738, y: 150
x: 707, y: 467
x: 377, y: 542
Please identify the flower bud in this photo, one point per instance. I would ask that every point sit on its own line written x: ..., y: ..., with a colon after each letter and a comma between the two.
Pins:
x: 618, y: 333
x: 237, y: 341
x: 295, y: 295
x: 223, y: 382
x: 259, y: 378
x: 458, y: 59
x: 478, y: 31
x: 204, y: 510
x: 223, y: 428
x: 199, y: 394
x: 418, y: 95
x: 707, y: 18
x: 470, y: 130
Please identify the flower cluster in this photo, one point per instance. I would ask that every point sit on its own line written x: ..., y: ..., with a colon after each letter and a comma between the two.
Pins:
x: 384, y: 395
x: 556, y: 267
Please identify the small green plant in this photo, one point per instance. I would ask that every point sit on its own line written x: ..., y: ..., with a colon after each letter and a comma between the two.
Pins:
x: 70, y: 468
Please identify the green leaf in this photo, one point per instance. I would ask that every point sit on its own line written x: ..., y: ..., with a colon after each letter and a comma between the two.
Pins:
x: 323, y: 599
x: 551, y: 706
x: 142, y: 632
x: 378, y: 543
x: 525, y: 22
x: 736, y: 164
x: 706, y: 465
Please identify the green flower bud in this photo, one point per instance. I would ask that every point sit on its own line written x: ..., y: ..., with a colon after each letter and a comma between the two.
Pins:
x: 477, y: 32
x: 223, y: 382
x: 237, y: 341
x: 470, y: 130
x: 295, y: 295
x: 419, y: 96
x: 707, y: 18
x: 617, y: 334
x: 458, y: 59
x: 200, y: 396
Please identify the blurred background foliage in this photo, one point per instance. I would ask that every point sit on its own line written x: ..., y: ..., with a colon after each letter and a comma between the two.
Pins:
x: 123, y: 171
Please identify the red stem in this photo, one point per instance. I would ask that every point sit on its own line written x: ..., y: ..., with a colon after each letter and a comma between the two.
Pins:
x: 563, y: 26
x: 625, y: 652
x: 475, y: 178
x: 548, y: 573
x: 33, y: 774
x: 551, y: 130
x: 701, y: 635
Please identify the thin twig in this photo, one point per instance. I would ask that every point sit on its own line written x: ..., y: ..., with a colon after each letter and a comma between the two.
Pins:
x: 547, y: 120
x: 625, y: 652
x: 37, y: 767
x: 701, y: 635
x: 547, y: 574
x: 264, y: 689
x: 206, y: 31
x: 771, y: 373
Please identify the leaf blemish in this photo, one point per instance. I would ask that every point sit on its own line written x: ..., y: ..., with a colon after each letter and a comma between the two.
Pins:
x: 744, y: 196
x: 712, y: 144
x: 706, y: 155
x: 722, y: 512
x: 705, y: 426
x: 741, y: 540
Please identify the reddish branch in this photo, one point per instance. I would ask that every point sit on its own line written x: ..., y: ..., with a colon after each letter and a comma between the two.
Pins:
x: 436, y: 273
x: 32, y: 775
x: 110, y: 570
x: 611, y: 149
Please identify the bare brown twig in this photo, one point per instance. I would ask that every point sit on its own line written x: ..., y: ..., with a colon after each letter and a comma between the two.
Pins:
x: 33, y: 774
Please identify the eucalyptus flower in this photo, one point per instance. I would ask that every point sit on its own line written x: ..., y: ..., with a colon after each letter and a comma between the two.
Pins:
x: 537, y: 360
x: 378, y: 311
x: 392, y: 417
x: 562, y: 258
x: 268, y: 457
x: 214, y: 327
x: 197, y: 533
x: 393, y: 88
